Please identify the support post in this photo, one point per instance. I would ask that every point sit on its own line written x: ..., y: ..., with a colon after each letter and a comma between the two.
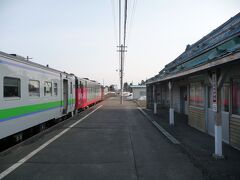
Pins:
x: 154, y: 100
x: 171, y: 109
x: 216, y: 86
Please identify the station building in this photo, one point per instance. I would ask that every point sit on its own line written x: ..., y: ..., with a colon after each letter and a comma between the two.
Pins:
x: 204, y: 84
x: 138, y: 91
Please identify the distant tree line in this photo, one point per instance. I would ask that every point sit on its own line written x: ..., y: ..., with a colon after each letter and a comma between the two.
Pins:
x: 127, y: 87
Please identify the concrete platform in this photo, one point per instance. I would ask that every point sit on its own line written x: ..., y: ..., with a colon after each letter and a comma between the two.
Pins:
x: 199, y: 147
x: 114, y: 142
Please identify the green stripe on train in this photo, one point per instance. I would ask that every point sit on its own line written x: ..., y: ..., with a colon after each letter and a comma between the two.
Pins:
x: 71, y: 101
x: 18, y: 111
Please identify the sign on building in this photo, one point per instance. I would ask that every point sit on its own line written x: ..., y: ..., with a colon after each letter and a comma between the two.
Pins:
x: 214, y: 91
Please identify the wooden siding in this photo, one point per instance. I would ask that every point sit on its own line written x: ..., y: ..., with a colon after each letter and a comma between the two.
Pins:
x: 235, y: 132
x: 197, y: 118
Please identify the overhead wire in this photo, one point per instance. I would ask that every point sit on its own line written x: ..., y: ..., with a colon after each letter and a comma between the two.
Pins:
x: 113, y: 6
x: 114, y: 21
x: 122, y: 39
x: 120, y: 43
x: 125, y: 23
x: 131, y: 8
x: 125, y: 30
x: 131, y: 18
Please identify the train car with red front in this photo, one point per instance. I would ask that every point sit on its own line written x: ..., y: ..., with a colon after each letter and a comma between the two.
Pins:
x: 88, y: 92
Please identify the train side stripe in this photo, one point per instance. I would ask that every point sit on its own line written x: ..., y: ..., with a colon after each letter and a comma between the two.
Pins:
x: 16, y: 112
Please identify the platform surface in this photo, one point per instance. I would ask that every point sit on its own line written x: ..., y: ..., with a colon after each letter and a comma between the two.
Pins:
x: 116, y: 142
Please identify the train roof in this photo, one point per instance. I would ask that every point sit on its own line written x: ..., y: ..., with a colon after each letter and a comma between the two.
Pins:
x: 23, y: 60
x: 88, y: 80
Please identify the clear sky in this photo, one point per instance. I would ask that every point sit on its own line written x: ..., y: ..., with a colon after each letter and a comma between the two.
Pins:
x: 79, y: 36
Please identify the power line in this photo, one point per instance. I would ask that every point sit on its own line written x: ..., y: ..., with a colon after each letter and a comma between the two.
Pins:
x: 114, y: 20
x: 131, y: 18
x: 120, y: 14
x: 125, y: 23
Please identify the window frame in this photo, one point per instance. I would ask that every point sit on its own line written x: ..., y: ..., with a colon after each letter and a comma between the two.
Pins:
x: 223, y: 97
x: 232, y: 98
x: 195, y: 102
x: 39, y: 87
x: 44, y: 90
x: 55, y: 93
x: 19, y: 88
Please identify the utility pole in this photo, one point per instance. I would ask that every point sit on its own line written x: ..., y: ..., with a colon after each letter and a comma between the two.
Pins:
x: 122, y: 45
x: 122, y: 51
x: 120, y: 55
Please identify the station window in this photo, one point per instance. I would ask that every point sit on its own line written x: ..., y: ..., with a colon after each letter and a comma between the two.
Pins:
x: 196, y: 94
x: 236, y: 96
x: 55, y: 89
x: 12, y: 87
x: 47, y: 88
x: 210, y: 99
x: 225, y: 97
x: 34, y: 88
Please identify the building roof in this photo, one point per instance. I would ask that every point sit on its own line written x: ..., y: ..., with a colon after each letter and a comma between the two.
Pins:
x: 138, y: 86
x: 222, y: 41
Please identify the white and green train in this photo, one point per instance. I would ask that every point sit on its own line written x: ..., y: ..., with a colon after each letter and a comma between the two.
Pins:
x: 31, y: 94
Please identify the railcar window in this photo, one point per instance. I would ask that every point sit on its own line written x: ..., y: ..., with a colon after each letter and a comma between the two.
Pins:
x: 47, y: 88
x: 12, y: 87
x: 34, y: 88
x: 55, y: 89
x: 225, y: 93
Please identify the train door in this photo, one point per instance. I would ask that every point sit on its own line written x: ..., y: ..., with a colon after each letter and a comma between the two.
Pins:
x: 71, y: 94
x: 65, y: 96
x: 82, y: 92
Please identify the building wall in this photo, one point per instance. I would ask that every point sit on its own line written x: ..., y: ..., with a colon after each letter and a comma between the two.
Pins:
x: 149, y: 96
x: 197, y: 102
x: 230, y: 120
x: 234, y: 113
x: 162, y: 95
x: 201, y: 115
x: 176, y: 97
x: 235, y: 132
x: 197, y: 118
x: 138, y: 92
